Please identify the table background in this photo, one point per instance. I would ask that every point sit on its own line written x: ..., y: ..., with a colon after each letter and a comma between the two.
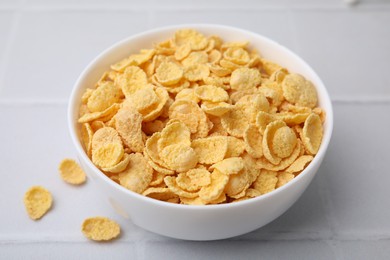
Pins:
x: 44, y: 45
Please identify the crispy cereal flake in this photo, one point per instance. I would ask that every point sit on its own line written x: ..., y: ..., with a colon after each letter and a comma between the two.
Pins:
x: 100, y: 229
x: 71, y: 172
x: 37, y: 201
x: 312, y: 133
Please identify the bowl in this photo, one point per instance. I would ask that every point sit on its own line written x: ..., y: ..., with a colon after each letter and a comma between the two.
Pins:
x: 189, y: 222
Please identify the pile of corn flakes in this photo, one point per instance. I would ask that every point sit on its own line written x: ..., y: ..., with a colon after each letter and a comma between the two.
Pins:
x: 198, y: 121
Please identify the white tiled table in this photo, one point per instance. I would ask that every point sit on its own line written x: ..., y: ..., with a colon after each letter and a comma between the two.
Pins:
x: 344, y: 214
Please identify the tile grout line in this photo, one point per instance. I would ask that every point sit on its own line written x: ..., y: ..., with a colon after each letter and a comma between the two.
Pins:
x: 137, y: 240
x: 148, y: 7
x: 8, y: 47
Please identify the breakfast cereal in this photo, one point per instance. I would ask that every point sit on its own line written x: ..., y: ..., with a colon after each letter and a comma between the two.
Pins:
x: 198, y: 121
x: 37, y: 201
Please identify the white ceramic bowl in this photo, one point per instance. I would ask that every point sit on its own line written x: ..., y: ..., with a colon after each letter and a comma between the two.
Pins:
x: 198, y: 222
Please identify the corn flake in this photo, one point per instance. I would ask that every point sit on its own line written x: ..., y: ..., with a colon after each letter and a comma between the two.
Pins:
x: 216, y: 187
x: 299, y: 164
x: 300, y: 91
x: 211, y: 149
x: 194, y: 179
x: 253, y: 141
x: 107, y: 155
x: 245, y: 78
x: 138, y: 174
x: 37, y: 201
x: 179, y: 157
x: 100, y: 229
x: 211, y: 93
x: 71, y: 172
x: 312, y: 133
x: 128, y: 123
x: 229, y: 166
x: 283, y: 178
x: 266, y: 181
x: 169, y: 73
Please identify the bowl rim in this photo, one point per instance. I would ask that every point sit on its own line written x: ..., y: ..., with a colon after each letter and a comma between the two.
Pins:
x: 81, y: 153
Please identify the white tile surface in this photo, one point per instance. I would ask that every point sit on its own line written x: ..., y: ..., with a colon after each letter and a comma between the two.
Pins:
x: 7, y: 21
x: 344, y: 213
x: 347, y: 49
x: 355, y: 168
x: 240, y: 250
x: 52, y: 48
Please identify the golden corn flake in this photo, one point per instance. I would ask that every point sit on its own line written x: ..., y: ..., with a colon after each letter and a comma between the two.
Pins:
x: 171, y: 182
x: 236, y: 55
x: 263, y: 119
x: 100, y: 229
x: 273, y: 92
x: 292, y: 118
x: 97, y: 124
x: 138, y: 174
x: 194, y: 39
x: 104, y: 115
x: 182, y: 51
x: 283, y: 178
x: 152, y: 127
x: 157, y: 179
x: 229, y: 166
x: 198, y: 57
x: 214, y: 56
x: 169, y: 73
x: 238, y: 183
x: 163, y: 194
x: 128, y: 123
x: 119, y: 167
x: 88, y: 92
x: 37, y: 201
x: 196, y: 72
x: 284, y: 142
x: 251, y: 105
x: 253, y: 141
x: 268, y: 141
x: 71, y: 172
x: 156, y: 110
x: 263, y: 163
x: 103, y: 97
x: 211, y: 149
x: 179, y: 157
x: 215, y: 188
x: 266, y: 181
x: 174, y: 133
x: 160, y: 120
x: 194, y: 179
x: 143, y: 99
x: 312, y: 133
x: 216, y: 108
x: 86, y: 137
x: 245, y: 78
x: 270, y: 67
x: 300, y: 91
x: 104, y: 136
x: 251, y: 167
x: 234, y: 122
x: 107, y: 155
x: 219, y: 70
x: 132, y: 80
x: 211, y: 93
x: 299, y: 164
x: 187, y: 94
